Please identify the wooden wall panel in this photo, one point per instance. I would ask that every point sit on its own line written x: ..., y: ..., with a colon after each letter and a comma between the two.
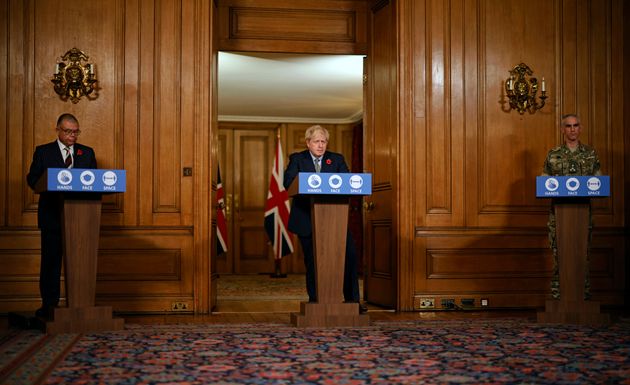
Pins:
x: 100, y: 127
x: 470, y: 48
x: 167, y: 129
x: 512, y: 147
x: 149, y: 118
x: 166, y: 136
x: 443, y: 136
x: 310, y: 26
x: 19, y: 253
x: 4, y: 52
x: 145, y: 269
x: 596, y: 66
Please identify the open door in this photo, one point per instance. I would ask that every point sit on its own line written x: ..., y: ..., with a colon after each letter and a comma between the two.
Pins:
x: 380, y: 144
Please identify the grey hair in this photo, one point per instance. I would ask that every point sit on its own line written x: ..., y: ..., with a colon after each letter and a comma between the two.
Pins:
x: 567, y: 116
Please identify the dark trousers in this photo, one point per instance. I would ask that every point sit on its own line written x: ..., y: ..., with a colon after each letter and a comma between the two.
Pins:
x: 50, y: 267
x: 350, y: 273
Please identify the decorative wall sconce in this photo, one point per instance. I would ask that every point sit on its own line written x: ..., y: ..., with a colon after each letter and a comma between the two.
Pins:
x: 521, y: 90
x: 72, y: 79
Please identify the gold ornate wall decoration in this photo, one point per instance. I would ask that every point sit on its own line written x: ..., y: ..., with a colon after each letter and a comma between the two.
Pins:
x: 521, y: 89
x: 72, y: 78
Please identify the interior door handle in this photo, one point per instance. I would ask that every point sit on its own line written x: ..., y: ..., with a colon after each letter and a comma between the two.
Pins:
x: 228, y: 205
x: 368, y: 206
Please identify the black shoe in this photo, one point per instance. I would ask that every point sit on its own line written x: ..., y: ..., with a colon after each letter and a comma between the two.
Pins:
x: 46, y: 312
x: 362, y: 308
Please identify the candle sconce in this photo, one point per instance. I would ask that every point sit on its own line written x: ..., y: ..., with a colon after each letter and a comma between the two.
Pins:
x: 521, y: 90
x: 72, y: 79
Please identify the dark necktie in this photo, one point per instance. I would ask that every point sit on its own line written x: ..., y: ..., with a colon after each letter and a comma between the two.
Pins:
x: 68, y: 161
x: 317, y: 166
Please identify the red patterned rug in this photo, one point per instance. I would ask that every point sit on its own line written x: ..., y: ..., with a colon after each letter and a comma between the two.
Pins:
x: 28, y: 356
x: 490, y: 351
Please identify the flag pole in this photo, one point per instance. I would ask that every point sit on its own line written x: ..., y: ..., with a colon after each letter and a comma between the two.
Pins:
x: 278, y: 273
x: 278, y: 257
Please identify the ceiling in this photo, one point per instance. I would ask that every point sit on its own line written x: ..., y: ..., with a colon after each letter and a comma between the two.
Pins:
x: 276, y: 87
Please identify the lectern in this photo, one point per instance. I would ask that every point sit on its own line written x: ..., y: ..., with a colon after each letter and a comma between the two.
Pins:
x: 572, y: 209
x: 81, y: 217
x: 329, y: 194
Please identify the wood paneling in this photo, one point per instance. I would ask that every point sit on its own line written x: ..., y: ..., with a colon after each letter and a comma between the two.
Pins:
x: 144, y: 270
x: 4, y: 46
x: 476, y: 162
x: 150, y: 117
x: 453, y: 171
x: 323, y: 26
x: 380, y: 158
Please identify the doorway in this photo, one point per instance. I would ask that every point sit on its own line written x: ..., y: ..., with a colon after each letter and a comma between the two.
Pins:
x: 247, y: 140
x: 261, y: 97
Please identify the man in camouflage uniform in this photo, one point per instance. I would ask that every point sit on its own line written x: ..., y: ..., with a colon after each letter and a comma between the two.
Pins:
x: 571, y: 158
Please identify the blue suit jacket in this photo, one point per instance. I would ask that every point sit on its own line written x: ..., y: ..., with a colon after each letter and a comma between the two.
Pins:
x: 49, y: 156
x: 300, y: 217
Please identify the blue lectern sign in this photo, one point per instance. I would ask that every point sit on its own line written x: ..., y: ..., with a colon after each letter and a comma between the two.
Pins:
x: 335, y: 183
x: 86, y: 180
x: 572, y: 186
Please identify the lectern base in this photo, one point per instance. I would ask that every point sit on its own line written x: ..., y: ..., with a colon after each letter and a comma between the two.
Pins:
x: 329, y: 315
x: 573, y: 312
x: 83, y: 320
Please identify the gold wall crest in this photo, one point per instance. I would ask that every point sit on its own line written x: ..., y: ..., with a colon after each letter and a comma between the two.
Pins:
x: 521, y: 89
x: 72, y: 78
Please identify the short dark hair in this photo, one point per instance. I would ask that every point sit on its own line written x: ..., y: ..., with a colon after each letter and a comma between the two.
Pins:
x: 68, y: 117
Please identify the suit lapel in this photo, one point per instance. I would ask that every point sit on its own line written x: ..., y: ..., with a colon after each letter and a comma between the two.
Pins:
x: 326, y: 166
x: 54, y: 153
x: 308, y: 165
x: 79, y: 156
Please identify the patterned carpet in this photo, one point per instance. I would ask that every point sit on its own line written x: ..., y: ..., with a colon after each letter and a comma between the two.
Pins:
x: 28, y: 356
x: 505, y: 351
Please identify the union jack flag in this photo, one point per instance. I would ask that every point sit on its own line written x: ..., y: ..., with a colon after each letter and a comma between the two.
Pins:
x: 222, y: 232
x: 277, y: 209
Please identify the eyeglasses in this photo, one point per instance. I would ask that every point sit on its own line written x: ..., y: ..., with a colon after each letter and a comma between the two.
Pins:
x: 70, y: 132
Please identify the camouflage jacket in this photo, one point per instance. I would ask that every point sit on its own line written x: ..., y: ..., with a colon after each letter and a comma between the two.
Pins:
x: 561, y: 161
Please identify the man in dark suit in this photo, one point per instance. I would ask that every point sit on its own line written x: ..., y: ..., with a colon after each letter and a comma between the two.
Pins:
x: 64, y: 152
x: 317, y: 159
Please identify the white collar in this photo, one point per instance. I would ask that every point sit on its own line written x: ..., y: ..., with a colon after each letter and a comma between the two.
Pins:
x: 63, y: 147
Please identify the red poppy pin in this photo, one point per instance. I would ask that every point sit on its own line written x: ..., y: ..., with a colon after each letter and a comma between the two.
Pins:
x: 328, y: 161
x: 79, y: 152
